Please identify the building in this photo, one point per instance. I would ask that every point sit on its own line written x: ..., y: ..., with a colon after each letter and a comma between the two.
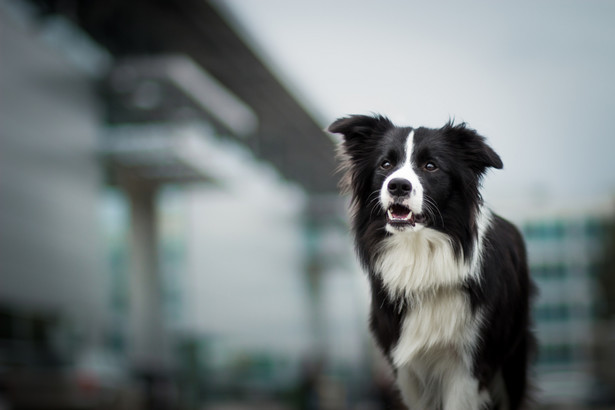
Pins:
x: 127, y: 157
x: 565, y: 252
x: 50, y: 244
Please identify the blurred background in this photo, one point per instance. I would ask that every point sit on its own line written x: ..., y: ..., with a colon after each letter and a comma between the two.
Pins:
x: 171, y: 236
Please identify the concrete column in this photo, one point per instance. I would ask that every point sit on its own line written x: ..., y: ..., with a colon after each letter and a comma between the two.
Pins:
x: 147, y: 335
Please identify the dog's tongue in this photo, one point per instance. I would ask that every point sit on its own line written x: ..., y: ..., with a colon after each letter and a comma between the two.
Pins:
x: 399, y: 212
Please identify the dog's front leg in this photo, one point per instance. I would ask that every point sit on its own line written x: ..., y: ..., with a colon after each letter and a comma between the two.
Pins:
x: 461, y: 391
x: 411, y: 389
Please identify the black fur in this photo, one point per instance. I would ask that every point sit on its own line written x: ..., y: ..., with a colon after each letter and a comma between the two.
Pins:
x: 503, y: 289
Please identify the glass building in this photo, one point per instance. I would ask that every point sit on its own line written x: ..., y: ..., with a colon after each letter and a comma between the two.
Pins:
x: 564, y: 254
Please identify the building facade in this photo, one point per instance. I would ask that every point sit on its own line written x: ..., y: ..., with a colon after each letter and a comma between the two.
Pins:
x: 564, y: 256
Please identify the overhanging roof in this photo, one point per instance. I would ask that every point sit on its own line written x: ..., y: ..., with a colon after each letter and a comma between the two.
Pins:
x: 286, y: 135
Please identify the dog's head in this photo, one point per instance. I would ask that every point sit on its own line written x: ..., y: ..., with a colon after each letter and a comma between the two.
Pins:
x: 408, y: 178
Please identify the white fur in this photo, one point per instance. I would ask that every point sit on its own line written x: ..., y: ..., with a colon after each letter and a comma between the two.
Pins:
x: 443, y: 320
x: 414, y: 262
x: 439, y: 333
x: 434, y: 353
x: 483, y: 222
x: 444, y: 384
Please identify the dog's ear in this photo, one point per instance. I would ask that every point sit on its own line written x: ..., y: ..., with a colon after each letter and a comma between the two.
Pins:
x: 358, y: 127
x: 474, y: 148
x: 360, y: 135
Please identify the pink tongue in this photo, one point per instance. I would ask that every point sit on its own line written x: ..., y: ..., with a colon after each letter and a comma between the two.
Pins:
x: 399, y: 212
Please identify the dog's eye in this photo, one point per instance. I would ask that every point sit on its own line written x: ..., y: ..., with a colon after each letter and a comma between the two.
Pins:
x: 386, y: 164
x: 430, y: 166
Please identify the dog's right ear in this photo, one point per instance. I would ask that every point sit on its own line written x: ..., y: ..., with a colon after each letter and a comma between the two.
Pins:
x: 357, y: 127
x: 360, y: 132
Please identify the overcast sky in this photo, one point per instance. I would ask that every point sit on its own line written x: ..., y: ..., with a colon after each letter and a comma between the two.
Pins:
x: 534, y: 77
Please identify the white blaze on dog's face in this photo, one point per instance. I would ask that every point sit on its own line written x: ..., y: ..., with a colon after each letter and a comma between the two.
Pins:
x: 401, y: 195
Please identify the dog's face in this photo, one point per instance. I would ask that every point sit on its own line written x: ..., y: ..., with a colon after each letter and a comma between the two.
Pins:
x: 407, y: 178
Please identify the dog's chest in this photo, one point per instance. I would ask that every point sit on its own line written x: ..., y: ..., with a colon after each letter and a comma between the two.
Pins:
x: 424, y: 272
x: 419, y: 263
x: 437, y: 322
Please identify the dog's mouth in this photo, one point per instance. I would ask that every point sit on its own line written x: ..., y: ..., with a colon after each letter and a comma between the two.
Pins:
x: 400, y: 216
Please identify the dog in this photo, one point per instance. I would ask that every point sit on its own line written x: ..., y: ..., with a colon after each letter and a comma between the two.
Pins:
x: 450, y: 287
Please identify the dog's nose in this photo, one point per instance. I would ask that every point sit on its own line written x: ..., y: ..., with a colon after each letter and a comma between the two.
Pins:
x: 399, y: 187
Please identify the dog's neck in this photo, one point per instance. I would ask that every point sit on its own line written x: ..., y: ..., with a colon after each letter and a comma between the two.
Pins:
x: 412, y: 264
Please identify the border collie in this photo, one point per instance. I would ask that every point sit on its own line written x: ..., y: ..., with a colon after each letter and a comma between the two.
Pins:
x: 449, y: 280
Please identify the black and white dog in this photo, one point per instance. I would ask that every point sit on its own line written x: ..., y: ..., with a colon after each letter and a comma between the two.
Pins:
x: 449, y: 279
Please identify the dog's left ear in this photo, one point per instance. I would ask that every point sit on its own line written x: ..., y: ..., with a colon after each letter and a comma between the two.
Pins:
x: 359, y: 127
x: 476, y: 152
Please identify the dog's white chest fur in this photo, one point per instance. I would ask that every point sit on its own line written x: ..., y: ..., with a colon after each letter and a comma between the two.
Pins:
x: 433, y: 355
x: 438, y: 322
x: 419, y: 262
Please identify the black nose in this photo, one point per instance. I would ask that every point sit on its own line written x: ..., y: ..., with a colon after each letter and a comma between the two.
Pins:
x: 399, y: 187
